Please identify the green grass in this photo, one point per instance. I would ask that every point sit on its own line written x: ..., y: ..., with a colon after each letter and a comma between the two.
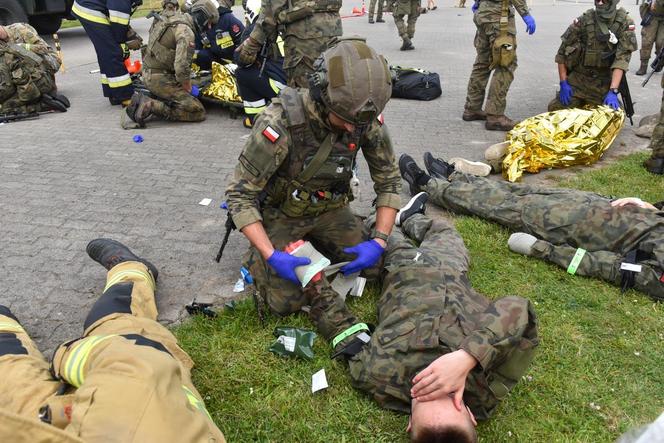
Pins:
x: 590, y: 337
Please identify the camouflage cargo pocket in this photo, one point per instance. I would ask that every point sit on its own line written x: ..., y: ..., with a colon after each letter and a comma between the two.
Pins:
x: 425, y: 335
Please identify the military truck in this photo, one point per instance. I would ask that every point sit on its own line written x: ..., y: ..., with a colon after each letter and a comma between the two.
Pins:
x: 45, y: 15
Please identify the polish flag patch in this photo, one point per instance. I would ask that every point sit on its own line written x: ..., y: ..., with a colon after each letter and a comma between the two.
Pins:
x: 271, y: 134
x: 381, y: 119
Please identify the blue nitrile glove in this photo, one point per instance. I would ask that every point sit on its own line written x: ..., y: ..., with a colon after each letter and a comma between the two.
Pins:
x: 284, y: 265
x: 566, y: 93
x: 475, y: 6
x: 195, y: 91
x: 530, y: 24
x: 611, y: 99
x: 368, y: 253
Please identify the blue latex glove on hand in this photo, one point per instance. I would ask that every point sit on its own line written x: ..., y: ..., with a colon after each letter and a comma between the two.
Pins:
x: 195, y: 91
x: 368, y: 253
x: 566, y: 93
x: 611, y: 99
x: 284, y: 265
x: 475, y: 6
x: 530, y: 24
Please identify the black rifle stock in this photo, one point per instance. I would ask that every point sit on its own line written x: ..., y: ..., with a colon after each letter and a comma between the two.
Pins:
x: 627, y: 98
x: 230, y: 226
x: 8, y: 118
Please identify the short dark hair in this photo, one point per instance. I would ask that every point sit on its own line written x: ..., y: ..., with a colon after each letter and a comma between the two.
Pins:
x: 444, y: 434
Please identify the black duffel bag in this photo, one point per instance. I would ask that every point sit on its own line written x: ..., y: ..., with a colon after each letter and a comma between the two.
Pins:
x: 414, y: 84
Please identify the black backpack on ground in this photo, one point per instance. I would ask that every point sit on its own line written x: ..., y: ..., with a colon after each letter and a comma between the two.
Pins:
x: 414, y: 84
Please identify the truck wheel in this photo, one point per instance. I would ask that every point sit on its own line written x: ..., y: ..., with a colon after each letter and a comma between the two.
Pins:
x: 46, y: 24
x: 11, y: 12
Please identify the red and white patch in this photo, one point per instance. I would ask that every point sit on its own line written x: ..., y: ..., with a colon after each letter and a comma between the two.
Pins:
x: 236, y: 29
x: 271, y: 134
x: 631, y: 27
x: 381, y: 119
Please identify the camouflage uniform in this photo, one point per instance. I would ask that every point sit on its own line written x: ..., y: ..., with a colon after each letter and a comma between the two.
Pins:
x: 656, y: 161
x: 317, y: 210
x: 564, y: 220
x: 372, y: 8
x: 126, y: 379
x: 590, y: 61
x: 167, y: 66
x: 427, y: 309
x: 653, y: 34
x: 26, y: 35
x: 307, y: 28
x: 402, y: 8
x: 487, y: 21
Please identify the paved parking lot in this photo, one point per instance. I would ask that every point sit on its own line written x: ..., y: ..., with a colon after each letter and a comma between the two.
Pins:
x: 68, y: 178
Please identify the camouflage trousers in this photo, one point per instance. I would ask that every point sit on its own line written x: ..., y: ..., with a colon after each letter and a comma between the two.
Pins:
x: 21, y: 88
x: 372, y: 8
x: 653, y: 34
x: 564, y: 220
x: 428, y: 308
x: 410, y: 8
x: 329, y: 233
x: 124, y: 375
x: 174, y: 103
x: 496, y: 97
x: 299, y: 57
x: 657, y: 139
x: 586, y: 91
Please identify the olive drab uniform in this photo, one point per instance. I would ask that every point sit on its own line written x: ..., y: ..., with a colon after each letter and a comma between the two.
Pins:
x: 402, y: 8
x: 308, y: 28
x: 655, y: 163
x: 590, y: 56
x: 125, y: 380
x: 167, y: 66
x: 25, y: 35
x: 653, y: 32
x: 565, y: 220
x: 300, y: 171
x: 427, y: 309
x: 372, y: 9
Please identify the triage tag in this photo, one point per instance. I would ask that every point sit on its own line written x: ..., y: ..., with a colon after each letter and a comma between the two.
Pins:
x: 630, y: 267
x: 576, y: 260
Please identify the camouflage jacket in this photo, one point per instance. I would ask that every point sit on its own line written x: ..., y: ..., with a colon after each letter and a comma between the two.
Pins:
x: 171, y: 45
x: 581, y: 50
x: 421, y: 317
x: 267, y: 154
x: 26, y: 36
x: 490, y: 11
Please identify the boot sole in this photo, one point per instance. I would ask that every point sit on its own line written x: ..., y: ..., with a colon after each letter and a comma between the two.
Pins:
x: 420, y: 198
x: 469, y: 167
x: 93, y: 253
x: 495, y: 154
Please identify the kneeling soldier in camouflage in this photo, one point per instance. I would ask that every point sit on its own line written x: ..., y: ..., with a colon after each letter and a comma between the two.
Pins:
x: 125, y: 380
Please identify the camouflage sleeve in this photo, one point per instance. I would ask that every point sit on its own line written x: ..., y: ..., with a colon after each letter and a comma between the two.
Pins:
x: 266, y: 24
x: 265, y: 150
x: 626, y: 45
x: 521, y: 7
x: 379, y: 153
x: 507, y: 325
x: 569, y: 39
x: 32, y: 41
x: 184, y: 53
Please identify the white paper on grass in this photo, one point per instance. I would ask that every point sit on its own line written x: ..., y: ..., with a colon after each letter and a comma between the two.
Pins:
x: 288, y: 342
x: 239, y: 285
x: 318, y: 381
x: 205, y: 202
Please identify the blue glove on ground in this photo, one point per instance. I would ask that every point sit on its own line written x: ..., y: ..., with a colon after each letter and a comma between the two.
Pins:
x: 368, y: 253
x: 195, y: 91
x: 475, y: 6
x: 611, y: 99
x: 284, y: 265
x: 530, y: 24
x: 566, y: 93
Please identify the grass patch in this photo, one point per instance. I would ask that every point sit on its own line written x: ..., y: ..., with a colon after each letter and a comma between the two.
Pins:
x: 596, y: 374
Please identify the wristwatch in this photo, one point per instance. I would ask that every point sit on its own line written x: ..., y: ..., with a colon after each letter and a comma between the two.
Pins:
x: 377, y: 234
x: 614, y: 90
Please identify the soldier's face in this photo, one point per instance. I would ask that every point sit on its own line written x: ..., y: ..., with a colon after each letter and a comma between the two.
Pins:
x: 438, y: 413
x: 339, y: 124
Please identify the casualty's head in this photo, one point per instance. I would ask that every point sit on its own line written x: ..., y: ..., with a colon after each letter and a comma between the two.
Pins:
x: 439, y: 420
x: 606, y: 9
x: 251, y: 10
x: 205, y: 14
x: 352, y: 83
x: 170, y: 4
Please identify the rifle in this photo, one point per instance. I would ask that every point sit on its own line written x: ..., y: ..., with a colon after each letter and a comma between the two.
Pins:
x: 7, y: 118
x: 623, y: 88
x: 230, y: 226
x: 656, y: 66
x: 263, y: 55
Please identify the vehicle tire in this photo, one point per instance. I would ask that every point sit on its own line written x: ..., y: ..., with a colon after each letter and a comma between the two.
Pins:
x: 11, y: 12
x: 46, y: 24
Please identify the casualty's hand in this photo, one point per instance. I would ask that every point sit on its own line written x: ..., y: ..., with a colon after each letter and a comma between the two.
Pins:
x: 530, y: 24
x: 611, y: 99
x: 368, y: 253
x: 444, y: 376
x: 284, y: 265
x: 248, y: 51
x: 631, y: 201
x: 566, y: 93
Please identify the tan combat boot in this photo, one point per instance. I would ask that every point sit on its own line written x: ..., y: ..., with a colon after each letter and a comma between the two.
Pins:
x: 495, y: 154
x: 644, y: 68
x: 470, y: 115
x: 139, y: 109
x: 470, y: 167
x: 498, y: 123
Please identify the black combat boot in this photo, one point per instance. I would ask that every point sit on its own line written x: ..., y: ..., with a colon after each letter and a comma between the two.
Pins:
x: 437, y: 167
x: 413, y: 174
x: 109, y: 253
x: 655, y: 165
x: 643, y: 69
x: 49, y: 103
x: 416, y: 205
x: 139, y: 109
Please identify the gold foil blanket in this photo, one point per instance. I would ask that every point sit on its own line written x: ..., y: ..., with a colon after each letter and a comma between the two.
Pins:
x: 224, y: 85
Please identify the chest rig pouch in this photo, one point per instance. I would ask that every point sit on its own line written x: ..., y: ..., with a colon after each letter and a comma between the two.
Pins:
x: 316, y: 176
x: 161, y: 54
x: 599, y: 51
x: 503, y: 51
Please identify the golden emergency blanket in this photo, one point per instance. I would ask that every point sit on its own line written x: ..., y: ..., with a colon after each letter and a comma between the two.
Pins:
x: 224, y: 84
x: 560, y: 139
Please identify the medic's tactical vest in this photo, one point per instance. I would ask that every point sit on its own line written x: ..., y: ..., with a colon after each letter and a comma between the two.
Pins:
x: 597, y: 56
x: 160, y: 52
x: 292, y: 21
x: 315, y: 177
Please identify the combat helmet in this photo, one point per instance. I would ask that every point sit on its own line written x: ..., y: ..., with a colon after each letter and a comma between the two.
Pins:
x: 165, y: 3
x: 351, y: 80
x: 204, y: 12
x: 251, y: 10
